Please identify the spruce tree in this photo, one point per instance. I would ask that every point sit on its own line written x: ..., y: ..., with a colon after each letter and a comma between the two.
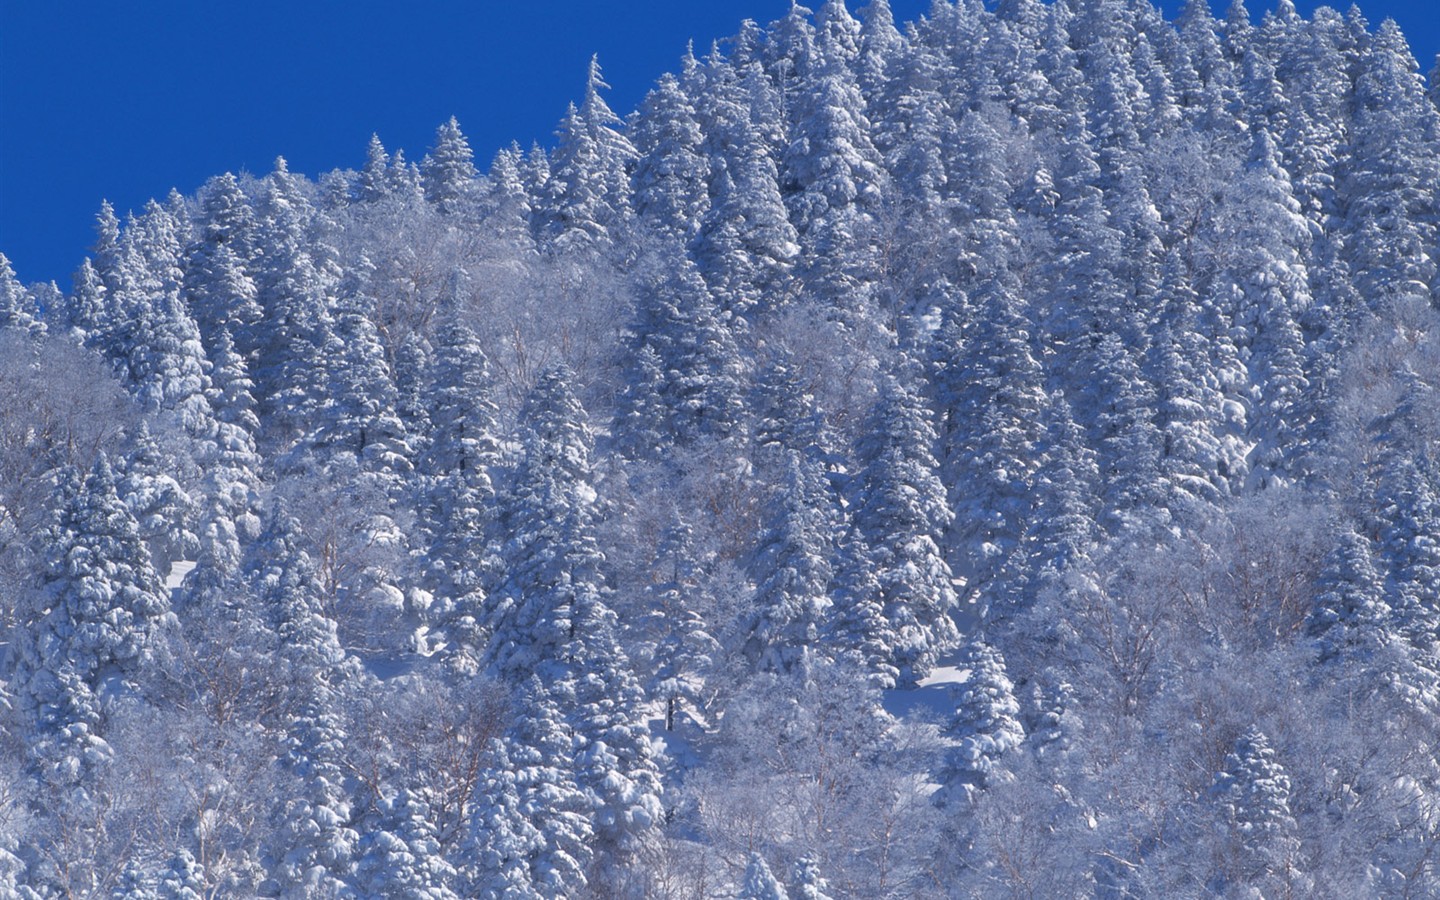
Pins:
x: 17, y: 306
x: 92, y: 626
x: 459, y: 507
x: 900, y: 515
x: 589, y: 188
x: 760, y: 883
x: 1252, y: 792
x: 671, y: 170
x: 313, y: 843
x: 793, y: 571
x: 448, y: 173
x: 985, y: 725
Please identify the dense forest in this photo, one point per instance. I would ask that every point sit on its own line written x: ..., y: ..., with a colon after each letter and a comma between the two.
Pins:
x: 994, y: 455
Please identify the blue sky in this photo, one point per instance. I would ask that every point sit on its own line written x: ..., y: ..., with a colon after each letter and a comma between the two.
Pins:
x: 124, y: 100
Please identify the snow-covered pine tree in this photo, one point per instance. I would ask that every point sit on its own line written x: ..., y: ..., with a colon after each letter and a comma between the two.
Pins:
x: 400, y: 856
x: 538, y: 815
x: 678, y: 647
x: 807, y: 884
x: 17, y: 306
x: 459, y: 504
x: 990, y: 389
x: 1350, y: 618
x: 833, y: 180
x: 1252, y: 792
x: 552, y: 621
x: 448, y: 173
x: 87, y: 634
x: 296, y: 280
x: 686, y: 364
x: 672, y: 172
x: 899, y: 518
x: 313, y: 842
x: 589, y: 189
x: 745, y: 246
x: 374, y: 180
x: 219, y: 286
x: 985, y: 725
x: 793, y: 570
x: 164, y: 511
x: 760, y: 883
x: 1389, y: 211
x: 548, y: 516
x: 358, y: 416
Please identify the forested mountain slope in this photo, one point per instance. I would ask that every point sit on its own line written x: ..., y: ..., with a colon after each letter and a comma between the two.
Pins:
x: 989, y: 456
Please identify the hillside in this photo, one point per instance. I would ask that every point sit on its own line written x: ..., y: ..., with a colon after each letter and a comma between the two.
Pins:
x: 994, y: 455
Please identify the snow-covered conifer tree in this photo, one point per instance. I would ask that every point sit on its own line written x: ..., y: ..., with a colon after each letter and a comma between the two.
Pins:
x: 588, y: 191
x: 760, y: 883
x: 17, y: 306
x: 793, y: 570
x: 671, y: 170
x: 448, y: 172
x: 1253, y: 795
x: 90, y: 627
x: 313, y: 844
x: 986, y: 723
x: 460, y: 505
x: 900, y: 515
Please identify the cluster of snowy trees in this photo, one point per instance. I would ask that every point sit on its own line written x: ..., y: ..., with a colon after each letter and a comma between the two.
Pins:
x: 993, y: 456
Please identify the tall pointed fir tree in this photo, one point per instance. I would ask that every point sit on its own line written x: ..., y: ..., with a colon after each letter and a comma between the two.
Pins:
x: 553, y: 620
x: 448, y: 173
x: 793, y: 571
x: 17, y: 306
x: 1409, y: 506
x: 1252, y: 792
x: 1389, y: 209
x: 219, y: 285
x: 746, y: 246
x: 1061, y: 534
x: 672, y: 173
x: 312, y: 845
x: 1205, y: 80
x: 589, y: 188
x: 90, y: 629
x: 165, y: 513
x: 400, y: 855
x: 1262, y: 284
x: 677, y: 649
x: 833, y: 181
x: 296, y: 281
x: 985, y: 725
x: 533, y: 837
x: 358, y: 416
x: 691, y: 374
x: 374, y: 180
x: 1190, y: 399
x: 900, y: 515
x: 1127, y: 441
x: 1350, y: 620
x: 547, y: 516
x: 760, y: 883
x: 787, y: 416
x: 158, y: 347
x: 990, y: 388
x: 232, y: 464
x: 459, y: 506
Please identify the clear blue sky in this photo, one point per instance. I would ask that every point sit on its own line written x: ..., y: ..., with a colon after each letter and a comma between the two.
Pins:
x: 124, y: 100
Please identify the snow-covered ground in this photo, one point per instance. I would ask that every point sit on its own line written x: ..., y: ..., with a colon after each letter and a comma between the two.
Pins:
x: 178, y: 571
x: 932, y: 697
